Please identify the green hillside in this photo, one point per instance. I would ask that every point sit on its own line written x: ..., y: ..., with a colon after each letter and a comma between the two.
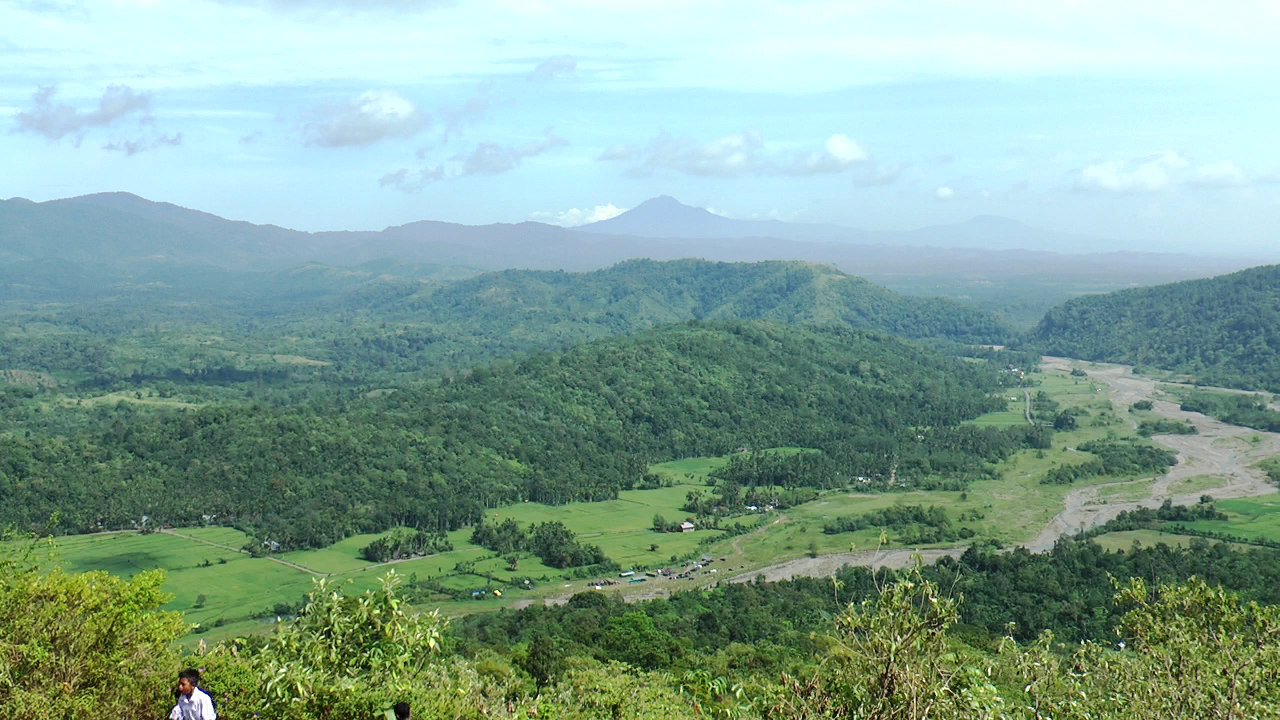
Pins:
x: 645, y: 293
x: 1222, y: 331
x: 554, y: 428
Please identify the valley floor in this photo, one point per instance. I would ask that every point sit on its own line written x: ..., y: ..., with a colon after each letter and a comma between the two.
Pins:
x: 1220, y: 460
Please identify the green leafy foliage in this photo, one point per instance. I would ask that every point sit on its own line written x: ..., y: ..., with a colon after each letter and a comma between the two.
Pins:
x: 402, y: 543
x: 362, y: 646
x: 1192, y: 651
x: 551, y: 541
x: 889, y: 657
x: 84, y: 646
x: 1164, y: 426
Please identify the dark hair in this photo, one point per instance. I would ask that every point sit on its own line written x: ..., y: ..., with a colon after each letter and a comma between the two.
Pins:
x: 402, y: 711
x: 191, y: 674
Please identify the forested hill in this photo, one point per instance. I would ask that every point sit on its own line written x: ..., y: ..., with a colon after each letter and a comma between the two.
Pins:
x: 1223, y: 330
x: 169, y: 320
x: 640, y: 294
x: 554, y: 427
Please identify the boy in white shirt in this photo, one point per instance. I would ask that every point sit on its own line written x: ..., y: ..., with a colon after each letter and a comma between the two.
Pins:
x: 193, y: 703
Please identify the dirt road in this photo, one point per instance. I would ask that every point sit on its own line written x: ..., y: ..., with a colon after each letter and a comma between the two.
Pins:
x: 286, y: 563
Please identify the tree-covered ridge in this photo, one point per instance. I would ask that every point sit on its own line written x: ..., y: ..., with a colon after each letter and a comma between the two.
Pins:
x: 638, y: 294
x: 1222, y: 331
x: 579, y: 425
x: 167, y: 322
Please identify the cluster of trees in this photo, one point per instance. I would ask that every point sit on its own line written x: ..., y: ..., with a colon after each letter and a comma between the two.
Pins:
x: 948, y: 457
x: 1166, y: 426
x: 1113, y: 457
x: 1253, y: 411
x: 403, y: 542
x: 551, y: 541
x: 911, y: 524
x: 1153, y: 518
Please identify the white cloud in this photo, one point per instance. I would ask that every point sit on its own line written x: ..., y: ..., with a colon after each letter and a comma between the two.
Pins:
x: 374, y: 116
x: 751, y: 45
x: 412, y: 181
x: 1220, y: 174
x: 118, y: 103
x: 840, y: 153
x: 573, y: 217
x: 1157, y: 172
x: 618, y: 151
x: 1151, y: 173
x: 142, y: 144
x: 944, y: 193
x: 738, y: 154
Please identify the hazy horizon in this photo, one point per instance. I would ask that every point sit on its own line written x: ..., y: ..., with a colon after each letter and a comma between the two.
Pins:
x: 1138, y: 123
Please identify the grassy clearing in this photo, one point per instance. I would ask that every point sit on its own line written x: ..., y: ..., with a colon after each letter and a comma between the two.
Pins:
x: 138, y: 397
x: 1125, y: 492
x: 207, y: 582
x: 1013, y: 414
x: 214, y: 584
x: 1250, y: 518
x: 1197, y: 483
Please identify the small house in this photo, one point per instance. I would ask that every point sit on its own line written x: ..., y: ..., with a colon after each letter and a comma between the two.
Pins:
x: 686, y: 526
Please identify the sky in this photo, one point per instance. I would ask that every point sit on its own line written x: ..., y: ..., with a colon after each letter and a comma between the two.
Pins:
x: 1153, y: 123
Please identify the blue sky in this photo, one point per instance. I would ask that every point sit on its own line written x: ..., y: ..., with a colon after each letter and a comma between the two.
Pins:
x: 1155, y: 123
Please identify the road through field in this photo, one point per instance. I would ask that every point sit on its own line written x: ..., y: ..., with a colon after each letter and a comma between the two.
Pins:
x: 286, y: 563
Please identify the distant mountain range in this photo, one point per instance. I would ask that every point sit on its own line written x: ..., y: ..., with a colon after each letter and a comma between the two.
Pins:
x: 665, y: 217
x: 116, y: 228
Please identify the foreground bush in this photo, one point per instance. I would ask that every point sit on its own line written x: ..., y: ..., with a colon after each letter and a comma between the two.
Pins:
x: 85, y: 646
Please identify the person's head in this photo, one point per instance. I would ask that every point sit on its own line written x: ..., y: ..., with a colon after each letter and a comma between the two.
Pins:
x: 188, y: 680
x: 402, y: 711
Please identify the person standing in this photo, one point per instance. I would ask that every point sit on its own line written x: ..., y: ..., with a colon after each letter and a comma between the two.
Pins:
x: 193, y: 703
